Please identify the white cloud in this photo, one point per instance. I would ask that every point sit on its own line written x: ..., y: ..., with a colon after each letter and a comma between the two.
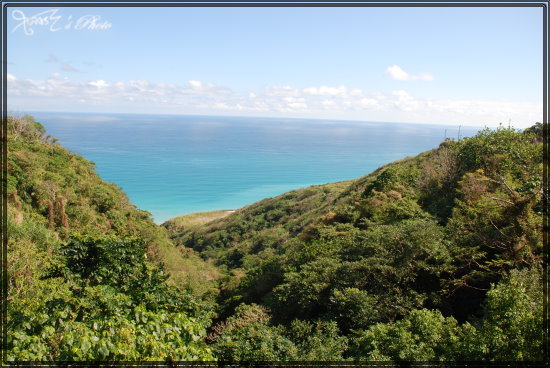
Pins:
x: 195, y: 84
x: 396, y: 73
x: 221, y: 105
x: 329, y: 104
x: 297, y: 105
x: 197, y: 96
x: 326, y: 91
x: 333, y: 91
x: 99, y: 83
x: 59, y: 86
x: 356, y: 92
x: 281, y: 91
x: 311, y: 91
x: 424, y: 76
x: 405, y: 101
x: 369, y: 103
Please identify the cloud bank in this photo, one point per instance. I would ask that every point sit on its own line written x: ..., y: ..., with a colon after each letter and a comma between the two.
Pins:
x: 335, y: 102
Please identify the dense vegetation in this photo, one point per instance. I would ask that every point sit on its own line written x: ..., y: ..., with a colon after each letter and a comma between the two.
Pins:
x: 85, y: 267
x: 434, y: 257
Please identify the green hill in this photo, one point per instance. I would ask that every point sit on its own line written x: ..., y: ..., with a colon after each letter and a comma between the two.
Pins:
x: 434, y: 257
x: 85, y: 265
x: 443, y: 250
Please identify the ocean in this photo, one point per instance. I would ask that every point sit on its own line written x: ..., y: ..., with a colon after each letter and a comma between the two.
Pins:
x: 171, y: 165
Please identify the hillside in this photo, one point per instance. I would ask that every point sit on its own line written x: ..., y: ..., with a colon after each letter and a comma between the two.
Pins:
x: 193, y: 220
x: 83, y: 263
x: 434, y: 257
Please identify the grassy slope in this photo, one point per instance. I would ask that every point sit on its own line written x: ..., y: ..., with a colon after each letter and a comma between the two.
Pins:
x: 193, y: 220
x: 264, y: 243
x: 272, y: 220
x: 275, y: 220
x: 53, y: 193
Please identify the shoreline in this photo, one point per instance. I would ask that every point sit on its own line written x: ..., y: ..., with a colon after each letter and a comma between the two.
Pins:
x: 194, y: 219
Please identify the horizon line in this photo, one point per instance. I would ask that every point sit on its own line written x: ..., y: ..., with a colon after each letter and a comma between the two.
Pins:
x: 464, y: 124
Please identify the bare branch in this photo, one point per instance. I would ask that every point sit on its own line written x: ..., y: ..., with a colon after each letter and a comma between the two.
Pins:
x: 501, y: 182
x: 500, y: 231
x: 502, y: 200
x: 507, y: 186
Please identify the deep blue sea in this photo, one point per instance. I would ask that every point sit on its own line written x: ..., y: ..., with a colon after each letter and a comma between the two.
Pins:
x: 176, y: 164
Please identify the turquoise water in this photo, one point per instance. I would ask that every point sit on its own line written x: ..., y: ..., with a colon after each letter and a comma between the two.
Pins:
x: 171, y: 165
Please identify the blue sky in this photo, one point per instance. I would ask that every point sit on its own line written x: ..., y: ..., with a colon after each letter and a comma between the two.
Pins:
x: 474, y: 66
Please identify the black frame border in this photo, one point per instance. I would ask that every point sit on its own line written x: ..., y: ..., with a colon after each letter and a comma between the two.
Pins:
x: 255, y: 3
